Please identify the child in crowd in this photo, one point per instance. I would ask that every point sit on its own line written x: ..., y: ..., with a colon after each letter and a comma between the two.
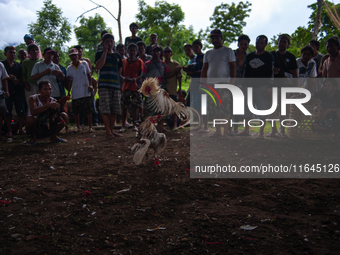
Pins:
x: 131, y: 98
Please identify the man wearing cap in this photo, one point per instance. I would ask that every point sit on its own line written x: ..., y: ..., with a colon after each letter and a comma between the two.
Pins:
x: 31, y: 86
x: 174, y: 77
x: 29, y: 40
x: 133, y: 38
x: 47, y: 70
x: 153, y: 42
x: 219, y: 66
x: 110, y: 65
x: 79, y: 79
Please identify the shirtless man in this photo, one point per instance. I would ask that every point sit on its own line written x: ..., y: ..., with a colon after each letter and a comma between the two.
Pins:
x: 43, y: 107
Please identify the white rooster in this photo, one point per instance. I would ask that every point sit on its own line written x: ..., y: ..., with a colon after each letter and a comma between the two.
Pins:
x: 160, y: 101
x: 148, y: 137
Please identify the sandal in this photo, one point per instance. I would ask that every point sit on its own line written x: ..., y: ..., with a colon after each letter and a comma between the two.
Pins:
x: 29, y: 143
x: 59, y: 140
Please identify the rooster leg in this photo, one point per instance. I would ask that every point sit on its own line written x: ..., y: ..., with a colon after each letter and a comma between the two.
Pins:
x: 156, y: 161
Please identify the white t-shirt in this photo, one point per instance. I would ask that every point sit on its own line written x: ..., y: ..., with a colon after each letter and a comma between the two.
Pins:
x: 3, y: 75
x: 40, y: 67
x: 306, y: 71
x: 80, y: 82
x: 218, y: 61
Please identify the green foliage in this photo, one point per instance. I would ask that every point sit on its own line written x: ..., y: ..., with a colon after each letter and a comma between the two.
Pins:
x: 2, y: 55
x: 88, y: 33
x: 164, y: 19
x: 230, y: 20
x: 303, y: 35
x: 51, y: 28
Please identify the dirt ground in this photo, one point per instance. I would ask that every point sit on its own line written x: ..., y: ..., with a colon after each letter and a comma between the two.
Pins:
x: 87, y: 197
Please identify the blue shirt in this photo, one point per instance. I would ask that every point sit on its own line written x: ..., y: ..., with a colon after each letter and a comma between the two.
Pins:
x: 198, y: 61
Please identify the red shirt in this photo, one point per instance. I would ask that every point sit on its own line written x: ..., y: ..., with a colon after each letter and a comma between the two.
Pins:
x: 131, y: 70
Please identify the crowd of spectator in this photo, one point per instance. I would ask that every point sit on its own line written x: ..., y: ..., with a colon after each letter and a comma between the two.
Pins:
x: 39, y: 86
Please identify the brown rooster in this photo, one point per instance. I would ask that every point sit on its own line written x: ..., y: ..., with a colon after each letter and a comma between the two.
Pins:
x: 161, y: 102
x: 148, y: 137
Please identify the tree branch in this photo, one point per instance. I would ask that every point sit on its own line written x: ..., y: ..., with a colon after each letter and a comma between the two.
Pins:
x: 86, y: 12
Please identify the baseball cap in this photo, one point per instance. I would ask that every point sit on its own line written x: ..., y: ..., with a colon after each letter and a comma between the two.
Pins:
x: 73, y: 51
x: 167, y: 48
x: 48, y: 49
x: 216, y: 32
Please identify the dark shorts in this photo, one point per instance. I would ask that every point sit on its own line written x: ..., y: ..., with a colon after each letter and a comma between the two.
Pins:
x: 84, y: 103
x: 131, y: 99
x: 19, y: 102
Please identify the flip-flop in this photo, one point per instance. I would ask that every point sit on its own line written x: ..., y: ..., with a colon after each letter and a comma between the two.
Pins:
x: 29, y: 143
x: 59, y: 140
x: 127, y: 125
x: 271, y: 135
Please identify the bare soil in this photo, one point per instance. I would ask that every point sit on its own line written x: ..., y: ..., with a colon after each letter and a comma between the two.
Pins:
x: 87, y: 197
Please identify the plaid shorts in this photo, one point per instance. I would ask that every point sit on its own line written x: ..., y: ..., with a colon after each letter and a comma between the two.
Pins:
x: 84, y: 103
x: 131, y: 99
x: 109, y: 100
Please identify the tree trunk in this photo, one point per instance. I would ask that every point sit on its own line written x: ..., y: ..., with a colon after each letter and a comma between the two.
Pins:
x: 118, y: 20
x: 317, y: 23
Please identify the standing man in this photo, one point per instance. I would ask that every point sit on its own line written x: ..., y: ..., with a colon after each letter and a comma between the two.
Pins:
x: 219, y: 65
x: 16, y: 91
x: 131, y: 98
x: 258, y: 64
x: 29, y: 40
x: 94, y: 86
x: 153, y: 42
x: 47, y: 70
x: 133, y: 38
x: 156, y: 68
x: 174, y: 77
x: 141, y: 52
x: 110, y: 65
x: 79, y: 79
x: 331, y: 66
x: 31, y: 86
x: 189, y: 53
x: 285, y: 69
x: 3, y: 94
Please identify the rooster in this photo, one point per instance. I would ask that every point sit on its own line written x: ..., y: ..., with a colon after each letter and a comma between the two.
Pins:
x: 161, y: 102
x: 148, y: 137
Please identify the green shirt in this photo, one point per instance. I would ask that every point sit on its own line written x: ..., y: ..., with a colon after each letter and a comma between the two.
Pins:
x: 27, y: 66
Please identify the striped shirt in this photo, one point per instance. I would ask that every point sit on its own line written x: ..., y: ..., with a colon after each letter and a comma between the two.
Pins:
x: 109, y: 73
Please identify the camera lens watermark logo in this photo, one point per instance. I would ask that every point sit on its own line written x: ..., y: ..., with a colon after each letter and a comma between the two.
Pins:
x: 238, y: 102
